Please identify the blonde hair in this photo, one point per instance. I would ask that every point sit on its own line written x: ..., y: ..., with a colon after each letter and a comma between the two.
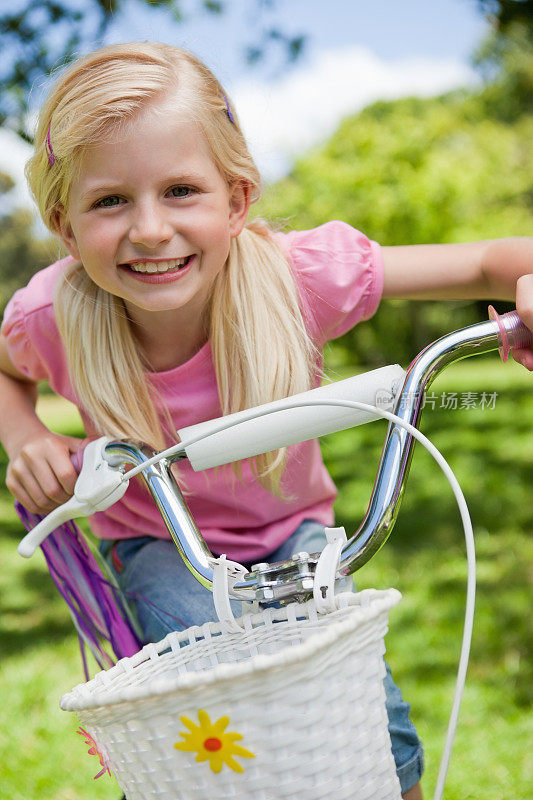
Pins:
x: 261, y: 349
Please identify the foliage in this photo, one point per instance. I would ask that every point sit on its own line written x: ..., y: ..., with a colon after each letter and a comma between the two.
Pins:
x: 40, y: 36
x: 415, y: 171
x: 21, y: 252
x: 506, y: 13
x: 506, y: 62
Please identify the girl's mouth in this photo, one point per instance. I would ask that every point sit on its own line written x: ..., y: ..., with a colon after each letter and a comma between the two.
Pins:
x: 160, y: 271
x: 159, y: 266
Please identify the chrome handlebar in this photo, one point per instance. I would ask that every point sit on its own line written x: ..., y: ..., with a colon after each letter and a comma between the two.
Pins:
x: 293, y: 579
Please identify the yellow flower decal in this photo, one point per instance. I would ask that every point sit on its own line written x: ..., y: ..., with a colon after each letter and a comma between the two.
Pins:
x: 211, y: 743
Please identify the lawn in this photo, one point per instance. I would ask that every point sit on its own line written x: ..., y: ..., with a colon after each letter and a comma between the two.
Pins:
x: 490, y: 450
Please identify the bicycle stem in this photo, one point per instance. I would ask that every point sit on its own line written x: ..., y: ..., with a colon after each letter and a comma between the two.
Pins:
x: 289, y: 580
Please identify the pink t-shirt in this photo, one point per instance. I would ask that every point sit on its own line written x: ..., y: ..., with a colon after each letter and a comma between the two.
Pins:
x: 339, y: 275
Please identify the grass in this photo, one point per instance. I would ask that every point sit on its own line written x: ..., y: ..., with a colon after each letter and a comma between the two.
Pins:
x: 490, y: 450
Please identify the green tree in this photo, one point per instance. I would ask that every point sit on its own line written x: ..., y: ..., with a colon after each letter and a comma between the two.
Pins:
x: 22, y: 253
x: 41, y: 35
x: 415, y: 171
x: 506, y: 61
x: 505, y: 13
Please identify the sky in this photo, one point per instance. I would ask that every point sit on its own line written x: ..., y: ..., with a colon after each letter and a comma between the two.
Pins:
x: 356, y: 52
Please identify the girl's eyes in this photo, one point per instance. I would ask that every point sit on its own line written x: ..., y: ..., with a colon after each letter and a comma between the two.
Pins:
x: 114, y: 200
x: 108, y: 202
x: 181, y: 191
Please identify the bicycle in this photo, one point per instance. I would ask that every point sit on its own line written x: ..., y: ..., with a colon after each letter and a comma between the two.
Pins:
x: 306, y: 576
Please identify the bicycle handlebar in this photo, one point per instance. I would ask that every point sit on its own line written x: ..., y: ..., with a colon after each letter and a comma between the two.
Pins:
x: 290, y: 579
x: 274, y: 425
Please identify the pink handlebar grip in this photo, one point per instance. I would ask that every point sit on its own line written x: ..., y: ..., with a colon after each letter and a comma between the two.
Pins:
x: 512, y: 332
x: 77, y: 457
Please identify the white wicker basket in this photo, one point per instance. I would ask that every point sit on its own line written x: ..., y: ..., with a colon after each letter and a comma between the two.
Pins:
x: 303, y: 693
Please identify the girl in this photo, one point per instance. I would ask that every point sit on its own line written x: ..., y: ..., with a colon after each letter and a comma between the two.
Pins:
x: 171, y: 310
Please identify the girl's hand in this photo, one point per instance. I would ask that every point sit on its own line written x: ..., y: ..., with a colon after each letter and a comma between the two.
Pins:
x: 524, y: 306
x: 40, y: 473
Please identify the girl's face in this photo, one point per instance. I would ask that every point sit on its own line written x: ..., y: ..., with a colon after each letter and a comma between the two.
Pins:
x: 151, y: 217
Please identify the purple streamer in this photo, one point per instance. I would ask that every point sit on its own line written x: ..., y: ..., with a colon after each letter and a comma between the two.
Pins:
x: 98, y: 611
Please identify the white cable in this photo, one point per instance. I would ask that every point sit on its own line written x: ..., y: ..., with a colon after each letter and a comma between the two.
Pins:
x: 467, y: 527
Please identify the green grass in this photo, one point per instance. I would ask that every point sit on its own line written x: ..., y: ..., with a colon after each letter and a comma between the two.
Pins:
x: 490, y: 450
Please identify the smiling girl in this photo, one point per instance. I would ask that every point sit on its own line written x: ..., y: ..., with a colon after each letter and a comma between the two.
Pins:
x: 171, y: 309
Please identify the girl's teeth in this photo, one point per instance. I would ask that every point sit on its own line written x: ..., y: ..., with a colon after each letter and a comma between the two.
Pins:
x: 161, y: 266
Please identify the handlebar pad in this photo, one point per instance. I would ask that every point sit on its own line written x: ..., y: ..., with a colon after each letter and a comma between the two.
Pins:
x: 261, y: 435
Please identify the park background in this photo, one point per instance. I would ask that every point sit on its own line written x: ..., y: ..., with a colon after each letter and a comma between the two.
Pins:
x: 412, y: 121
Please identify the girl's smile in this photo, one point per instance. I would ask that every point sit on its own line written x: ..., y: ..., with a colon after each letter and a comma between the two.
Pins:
x: 160, y: 270
x: 151, y: 218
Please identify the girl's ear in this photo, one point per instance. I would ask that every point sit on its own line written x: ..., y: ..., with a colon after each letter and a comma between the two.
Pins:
x: 239, y: 206
x: 65, y: 232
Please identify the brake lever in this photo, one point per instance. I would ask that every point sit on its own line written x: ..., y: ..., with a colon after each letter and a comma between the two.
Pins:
x: 99, y: 485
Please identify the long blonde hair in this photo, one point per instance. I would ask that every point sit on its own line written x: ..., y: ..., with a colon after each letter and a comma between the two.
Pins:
x: 261, y: 349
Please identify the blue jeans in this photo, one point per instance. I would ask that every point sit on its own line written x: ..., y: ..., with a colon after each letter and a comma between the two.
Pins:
x: 166, y: 597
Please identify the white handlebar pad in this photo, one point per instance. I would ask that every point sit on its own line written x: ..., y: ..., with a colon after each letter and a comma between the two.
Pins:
x: 249, y: 438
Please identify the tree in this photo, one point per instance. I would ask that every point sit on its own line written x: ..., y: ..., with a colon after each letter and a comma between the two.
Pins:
x: 505, y: 13
x: 21, y: 252
x: 415, y: 171
x: 43, y: 35
x: 505, y: 59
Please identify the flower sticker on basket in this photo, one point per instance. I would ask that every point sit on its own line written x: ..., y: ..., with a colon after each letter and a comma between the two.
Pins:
x: 211, y: 743
x: 94, y: 751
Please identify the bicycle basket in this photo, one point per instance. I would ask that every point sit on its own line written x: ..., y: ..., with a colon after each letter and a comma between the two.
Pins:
x: 292, y: 706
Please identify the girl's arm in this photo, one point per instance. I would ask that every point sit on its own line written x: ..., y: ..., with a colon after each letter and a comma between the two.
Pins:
x: 40, y: 473
x: 494, y: 269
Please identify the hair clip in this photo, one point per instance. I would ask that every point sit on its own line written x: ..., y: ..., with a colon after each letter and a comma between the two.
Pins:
x: 48, y: 146
x: 228, y: 110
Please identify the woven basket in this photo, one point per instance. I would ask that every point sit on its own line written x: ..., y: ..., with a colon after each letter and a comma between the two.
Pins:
x: 294, y: 706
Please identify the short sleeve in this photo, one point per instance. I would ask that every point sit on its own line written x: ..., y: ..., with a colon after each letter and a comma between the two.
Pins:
x: 19, y: 345
x: 30, y: 330
x: 339, y: 272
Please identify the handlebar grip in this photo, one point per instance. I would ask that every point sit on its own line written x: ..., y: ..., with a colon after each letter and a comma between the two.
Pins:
x: 511, y: 332
x: 249, y: 438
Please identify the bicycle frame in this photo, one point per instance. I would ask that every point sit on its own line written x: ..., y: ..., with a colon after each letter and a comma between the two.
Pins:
x: 289, y: 580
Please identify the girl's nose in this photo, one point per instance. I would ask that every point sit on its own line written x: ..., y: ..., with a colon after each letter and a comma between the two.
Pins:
x: 149, y: 226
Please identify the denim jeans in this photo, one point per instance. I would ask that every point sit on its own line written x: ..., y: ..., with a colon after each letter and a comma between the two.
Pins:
x: 166, y: 597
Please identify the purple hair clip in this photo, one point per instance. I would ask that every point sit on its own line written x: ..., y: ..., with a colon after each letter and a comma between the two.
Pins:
x: 228, y: 110
x: 48, y: 145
